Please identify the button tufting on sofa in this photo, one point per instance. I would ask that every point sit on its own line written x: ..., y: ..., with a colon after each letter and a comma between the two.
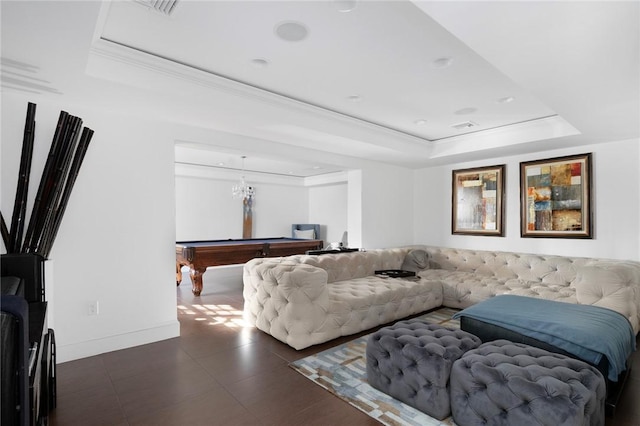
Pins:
x: 339, y: 294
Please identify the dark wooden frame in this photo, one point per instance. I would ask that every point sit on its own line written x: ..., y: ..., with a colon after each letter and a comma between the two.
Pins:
x: 549, y: 187
x: 466, y: 175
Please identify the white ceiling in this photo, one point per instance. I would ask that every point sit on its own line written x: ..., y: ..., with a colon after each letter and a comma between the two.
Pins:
x: 571, y: 70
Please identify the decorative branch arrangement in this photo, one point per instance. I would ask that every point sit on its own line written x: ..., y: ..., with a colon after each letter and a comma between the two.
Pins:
x: 68, y: 148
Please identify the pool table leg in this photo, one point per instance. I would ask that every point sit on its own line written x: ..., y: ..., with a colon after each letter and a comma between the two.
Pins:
x: 178, y: 273
x: 196, y: 280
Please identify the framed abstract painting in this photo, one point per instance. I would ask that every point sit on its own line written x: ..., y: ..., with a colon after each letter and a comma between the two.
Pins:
x: 477, y: 207
x: 555, y: 197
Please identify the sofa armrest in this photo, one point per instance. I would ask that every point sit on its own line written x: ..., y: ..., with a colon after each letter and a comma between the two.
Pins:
x: 612, y: 285
x: 285, y: 299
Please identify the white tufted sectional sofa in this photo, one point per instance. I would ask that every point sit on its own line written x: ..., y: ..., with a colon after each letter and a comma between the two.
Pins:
x: 304, y: 300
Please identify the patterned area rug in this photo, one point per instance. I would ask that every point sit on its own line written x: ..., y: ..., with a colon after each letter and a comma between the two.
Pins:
x: 343, y: 371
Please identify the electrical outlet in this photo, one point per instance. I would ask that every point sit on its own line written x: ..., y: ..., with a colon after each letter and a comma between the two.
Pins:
x: 94, y: 308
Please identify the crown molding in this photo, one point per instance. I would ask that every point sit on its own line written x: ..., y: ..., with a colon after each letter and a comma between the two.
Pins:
x: 117, y: 62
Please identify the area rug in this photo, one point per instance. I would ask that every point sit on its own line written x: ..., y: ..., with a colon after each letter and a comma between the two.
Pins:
x: 343, y: 371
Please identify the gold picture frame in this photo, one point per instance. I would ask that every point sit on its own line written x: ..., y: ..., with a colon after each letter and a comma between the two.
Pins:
x: 555, y: 197
x: 477, y: 201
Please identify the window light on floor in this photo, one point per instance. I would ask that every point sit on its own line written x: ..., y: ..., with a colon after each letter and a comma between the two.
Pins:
x: 225, y: 315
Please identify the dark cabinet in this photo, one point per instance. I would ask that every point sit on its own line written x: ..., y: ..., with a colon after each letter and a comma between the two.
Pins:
x: 27, y: 349
x: 40, y: 363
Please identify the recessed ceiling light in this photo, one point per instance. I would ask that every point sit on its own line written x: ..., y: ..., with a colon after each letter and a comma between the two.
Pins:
x: 291, y: 31
x: 506, y: 100
x: 221, y: 164
x: 420, y: 122
x: 260, y: 63
x: 465, y: 111
x: 443, y: 62
x: 355, y: 98
x: 316, y: 167
x: 345, y: 5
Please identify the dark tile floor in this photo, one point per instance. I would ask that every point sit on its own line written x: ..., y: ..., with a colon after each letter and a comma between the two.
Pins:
x: 219, y: 372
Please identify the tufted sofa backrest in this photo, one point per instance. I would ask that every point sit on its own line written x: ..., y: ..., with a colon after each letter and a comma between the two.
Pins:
x: 359, y: 264
x: 558, y: 270
x: 342, y: 266
x: 613, y: 284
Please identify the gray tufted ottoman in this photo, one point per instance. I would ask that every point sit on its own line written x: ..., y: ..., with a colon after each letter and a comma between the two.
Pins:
x: 411, y: 361
x: 505, y: 383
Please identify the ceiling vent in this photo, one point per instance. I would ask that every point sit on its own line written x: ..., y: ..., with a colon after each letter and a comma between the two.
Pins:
x: 166, y: 7
x: 465, y: 125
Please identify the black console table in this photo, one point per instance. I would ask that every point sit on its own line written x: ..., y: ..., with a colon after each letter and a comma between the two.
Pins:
x: 332, y: 251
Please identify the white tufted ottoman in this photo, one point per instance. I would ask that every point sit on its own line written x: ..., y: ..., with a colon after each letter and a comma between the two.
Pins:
x: 508, y: 383
x: 411, y: 361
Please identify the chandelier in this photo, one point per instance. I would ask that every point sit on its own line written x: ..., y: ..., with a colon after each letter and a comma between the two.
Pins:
x: 241, y: 190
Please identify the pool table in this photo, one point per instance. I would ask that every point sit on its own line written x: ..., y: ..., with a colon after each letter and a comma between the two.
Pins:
x: 198, y: 255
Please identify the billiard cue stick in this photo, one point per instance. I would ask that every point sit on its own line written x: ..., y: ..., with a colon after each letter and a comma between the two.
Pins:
x: 22, y: 190
x: 78, y: 157
x: 72, y: 135
x: 4, y: 231
x: 45, y: 183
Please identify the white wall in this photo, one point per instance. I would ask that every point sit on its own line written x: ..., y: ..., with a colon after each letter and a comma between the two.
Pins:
x: 354, y: 208
x: 200, y: 214
x: 387, y: 207
x: 328, y: 207
x: 373, y: 204
x: 616, y: 206
x: 116, y: 242
x: 206, y: 210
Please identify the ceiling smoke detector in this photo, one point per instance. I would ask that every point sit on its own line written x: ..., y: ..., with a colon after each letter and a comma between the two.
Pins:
x: 465, y: 125
x: 165, y: 7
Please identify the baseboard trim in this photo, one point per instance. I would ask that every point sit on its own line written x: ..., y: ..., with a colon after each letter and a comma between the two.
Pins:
x: 94, y: 347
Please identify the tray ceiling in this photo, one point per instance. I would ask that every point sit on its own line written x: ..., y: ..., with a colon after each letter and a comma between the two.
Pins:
x: 313, y: 87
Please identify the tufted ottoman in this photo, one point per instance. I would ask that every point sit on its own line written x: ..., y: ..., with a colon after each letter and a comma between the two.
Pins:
x: 508, y: 383
x: 411, y: 361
